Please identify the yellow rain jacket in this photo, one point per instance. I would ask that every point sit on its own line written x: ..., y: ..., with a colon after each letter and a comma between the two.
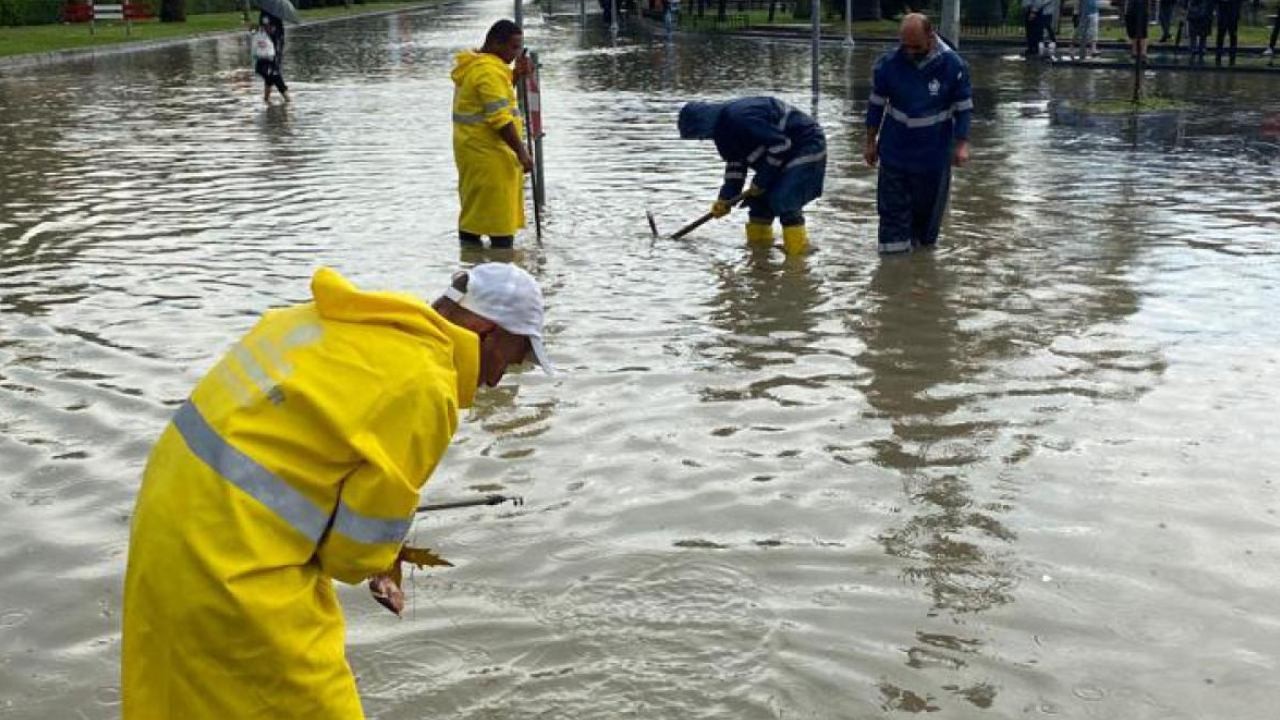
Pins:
x: 490, y: 179
x: 296, y: 460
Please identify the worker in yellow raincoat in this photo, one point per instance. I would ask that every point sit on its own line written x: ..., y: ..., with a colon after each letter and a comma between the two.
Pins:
x: 296, y: 460
x: 487, y: 138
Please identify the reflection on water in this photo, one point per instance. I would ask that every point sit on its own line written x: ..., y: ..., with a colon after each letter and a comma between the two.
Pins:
x: 1027, y: 473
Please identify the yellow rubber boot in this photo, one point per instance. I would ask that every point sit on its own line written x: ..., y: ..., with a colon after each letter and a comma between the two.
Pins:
x: 795, y: 239
x: 759, y: 234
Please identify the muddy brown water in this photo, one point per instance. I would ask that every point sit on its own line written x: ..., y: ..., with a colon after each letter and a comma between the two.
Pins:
x: 1033, y: 473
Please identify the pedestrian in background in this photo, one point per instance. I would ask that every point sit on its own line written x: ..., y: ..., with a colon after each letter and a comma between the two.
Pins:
x: 1135, y: 27
x: 1228, y: 25
x: 1165, y: 17
x: 922, y: 97
x: 1199, y: 23
x: 488, y: 141
x: 1086, y: 28
x: 268, y: 52
x: 1275, y: 34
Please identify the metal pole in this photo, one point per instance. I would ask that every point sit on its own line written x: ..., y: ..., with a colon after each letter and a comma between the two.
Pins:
x: 486, y: 500
x: 613, y: 18
x: 519, y: 13
x: 540, y: 184
x: 848, y: 23
x: 951, y: 22
x: 582, y: 12
x: 815, y: 11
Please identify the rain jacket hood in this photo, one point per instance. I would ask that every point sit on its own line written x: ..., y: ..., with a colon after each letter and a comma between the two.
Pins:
x: 698, y: 120
x: 469, y: 61
x: 337, y: 299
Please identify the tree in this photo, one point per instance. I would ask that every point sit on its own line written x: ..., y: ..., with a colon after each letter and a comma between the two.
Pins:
x: 173, y: 10
x: 866, y: 9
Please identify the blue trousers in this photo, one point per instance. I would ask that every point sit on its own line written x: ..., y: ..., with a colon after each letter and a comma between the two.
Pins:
x: 911, y: 205
x: 800, y: 183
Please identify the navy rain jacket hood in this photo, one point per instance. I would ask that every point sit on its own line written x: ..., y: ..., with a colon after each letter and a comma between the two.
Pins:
x: 698, y: 120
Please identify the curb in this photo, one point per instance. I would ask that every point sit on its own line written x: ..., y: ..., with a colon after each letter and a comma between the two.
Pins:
x: 18, y: 62
x: 1245, y: 52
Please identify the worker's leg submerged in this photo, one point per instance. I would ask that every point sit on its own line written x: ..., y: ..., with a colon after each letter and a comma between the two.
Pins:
x: 893, y: 203
x: 930, y: 192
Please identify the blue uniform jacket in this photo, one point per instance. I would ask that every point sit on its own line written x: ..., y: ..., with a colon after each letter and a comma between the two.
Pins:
x: 928, y: 106
x: 761, y: 133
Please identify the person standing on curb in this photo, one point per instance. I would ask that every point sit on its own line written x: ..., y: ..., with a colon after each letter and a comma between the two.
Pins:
x: 1275, y: 34
x: 1199, y: 22
x: 1165, y: 16
x: 1228, y: 25
x: 1086, y: 35
x: 917, y: 128
x: 488, y: 142
x: 1135, y: 27
x: 296, y: 461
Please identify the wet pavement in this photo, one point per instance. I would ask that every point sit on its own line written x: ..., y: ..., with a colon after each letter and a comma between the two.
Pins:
x: 1033, y: 473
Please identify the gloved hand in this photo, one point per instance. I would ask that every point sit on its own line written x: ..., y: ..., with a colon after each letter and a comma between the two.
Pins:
x: 720, y: 208
x: 753, y: 192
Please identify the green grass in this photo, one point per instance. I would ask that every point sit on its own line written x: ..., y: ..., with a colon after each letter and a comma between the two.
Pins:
x: 49, y: 38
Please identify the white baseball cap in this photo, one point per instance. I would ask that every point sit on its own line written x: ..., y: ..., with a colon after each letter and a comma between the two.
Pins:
x: 508, y: 296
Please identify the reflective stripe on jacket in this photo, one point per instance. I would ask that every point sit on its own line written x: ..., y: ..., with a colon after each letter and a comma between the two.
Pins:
x: 297, y: 459
x: 929, y: 105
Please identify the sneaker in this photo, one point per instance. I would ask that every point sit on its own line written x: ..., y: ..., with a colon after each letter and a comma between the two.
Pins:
x: 1268, y: 52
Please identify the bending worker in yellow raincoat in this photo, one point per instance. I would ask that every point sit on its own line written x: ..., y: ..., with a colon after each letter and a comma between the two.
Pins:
x: 487, y: 138
x: 298, y: 459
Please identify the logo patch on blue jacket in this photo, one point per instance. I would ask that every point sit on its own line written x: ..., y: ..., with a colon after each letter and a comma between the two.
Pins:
x: 934, y: 86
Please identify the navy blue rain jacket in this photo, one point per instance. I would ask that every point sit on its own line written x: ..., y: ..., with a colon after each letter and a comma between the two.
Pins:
x: 928, y: 103
x: 768, y: 136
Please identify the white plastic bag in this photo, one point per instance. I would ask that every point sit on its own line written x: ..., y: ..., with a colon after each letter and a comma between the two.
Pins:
x: 262, y: 46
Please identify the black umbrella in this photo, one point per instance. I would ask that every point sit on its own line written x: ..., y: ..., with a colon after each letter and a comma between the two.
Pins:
x: 282, y: 9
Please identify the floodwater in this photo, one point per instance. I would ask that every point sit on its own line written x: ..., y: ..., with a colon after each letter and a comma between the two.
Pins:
x: 1034, y: 473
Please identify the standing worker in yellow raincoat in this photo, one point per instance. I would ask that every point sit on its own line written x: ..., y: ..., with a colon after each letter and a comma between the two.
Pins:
x: 487, y: 138
x: 298, y: 459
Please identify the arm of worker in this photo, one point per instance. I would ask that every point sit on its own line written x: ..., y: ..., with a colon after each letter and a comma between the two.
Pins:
x: 962, y: 112
x: 400, y: 441
x: 512, y: 139
x: 735, y: 176
x: 877, y: 106
x: 500, y: 114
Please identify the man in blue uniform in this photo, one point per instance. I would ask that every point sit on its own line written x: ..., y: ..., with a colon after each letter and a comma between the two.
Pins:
x: 785, y: 147
x: 917, y: 127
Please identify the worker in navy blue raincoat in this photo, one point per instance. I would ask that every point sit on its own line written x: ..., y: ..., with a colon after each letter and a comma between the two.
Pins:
x: 785, y: 148
x: 919, y: 109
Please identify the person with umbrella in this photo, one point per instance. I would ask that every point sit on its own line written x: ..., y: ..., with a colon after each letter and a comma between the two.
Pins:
x: 269, y: 60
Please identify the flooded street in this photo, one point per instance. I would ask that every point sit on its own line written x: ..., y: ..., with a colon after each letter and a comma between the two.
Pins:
x: 1033, y: 473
